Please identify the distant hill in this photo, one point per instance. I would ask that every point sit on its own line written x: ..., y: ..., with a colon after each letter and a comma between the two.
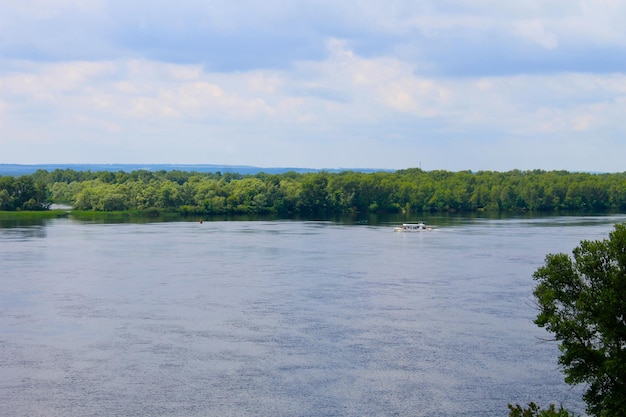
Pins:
x: 18, y: 169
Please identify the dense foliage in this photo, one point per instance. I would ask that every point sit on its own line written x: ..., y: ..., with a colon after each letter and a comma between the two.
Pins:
x: 335, y: 193
x: 582, y: 301
x: 23, y: 193
x: 533, y: 410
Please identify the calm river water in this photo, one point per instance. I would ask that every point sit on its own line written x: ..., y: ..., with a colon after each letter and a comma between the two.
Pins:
x: 278, y: 318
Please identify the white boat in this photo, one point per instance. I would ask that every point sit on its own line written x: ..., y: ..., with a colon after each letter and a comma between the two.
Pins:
x: 412, y: 227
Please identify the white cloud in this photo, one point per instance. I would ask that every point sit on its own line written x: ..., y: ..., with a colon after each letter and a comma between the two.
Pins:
x: 39, y: 10
x: 2, y: 109
x: 534, y: 31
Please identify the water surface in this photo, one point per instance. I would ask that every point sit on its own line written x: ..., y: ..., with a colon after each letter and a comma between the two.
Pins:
x: 278, y: 318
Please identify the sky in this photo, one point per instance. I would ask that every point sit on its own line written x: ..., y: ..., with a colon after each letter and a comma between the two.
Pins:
x: 436, y: 84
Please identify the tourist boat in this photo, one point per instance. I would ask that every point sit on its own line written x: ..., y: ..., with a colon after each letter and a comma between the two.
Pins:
x: 412, y: 227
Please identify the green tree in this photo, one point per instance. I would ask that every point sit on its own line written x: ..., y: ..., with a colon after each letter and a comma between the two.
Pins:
x: 168, y: 195
x: 319, y: 193
x: 533, y: 410
x: 582, y: 301
x: 85, y: 199
x: 5, y: 200
x: 314, y: 194
x: 23, y: 193
x: 248, y: 196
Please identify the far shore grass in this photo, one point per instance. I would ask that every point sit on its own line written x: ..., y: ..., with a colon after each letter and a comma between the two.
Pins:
x: 26, y: 215
x: 126, y: 216
x: 123, y: 216
x: 92, y: 215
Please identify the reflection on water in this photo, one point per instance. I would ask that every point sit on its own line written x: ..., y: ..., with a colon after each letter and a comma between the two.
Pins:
x: 281, y: 318
x: 22, y: 230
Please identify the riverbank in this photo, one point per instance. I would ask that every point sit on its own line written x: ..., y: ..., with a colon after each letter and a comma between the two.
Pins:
x: 38, y: 214
x: 153, y: 215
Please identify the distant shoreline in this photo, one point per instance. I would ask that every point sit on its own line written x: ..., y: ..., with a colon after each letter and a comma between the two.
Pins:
x: 27, y: 169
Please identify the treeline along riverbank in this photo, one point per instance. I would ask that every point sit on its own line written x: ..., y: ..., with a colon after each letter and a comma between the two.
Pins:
x: 315, y: 193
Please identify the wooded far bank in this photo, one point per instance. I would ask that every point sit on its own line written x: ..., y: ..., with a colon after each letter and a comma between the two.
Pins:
x: 318, y: 193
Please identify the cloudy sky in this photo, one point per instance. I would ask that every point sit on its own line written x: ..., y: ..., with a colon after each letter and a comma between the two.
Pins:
x: 441, y: 84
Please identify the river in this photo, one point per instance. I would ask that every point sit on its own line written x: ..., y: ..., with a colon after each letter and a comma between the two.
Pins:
x: 279, y: 318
